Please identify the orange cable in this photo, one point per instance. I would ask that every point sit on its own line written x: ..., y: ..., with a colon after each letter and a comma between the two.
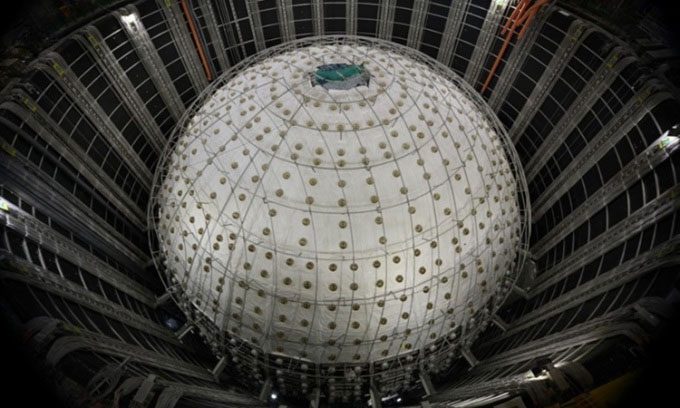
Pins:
x: 513, y: 16
x: 197, y: 40
x: 531, y: 13
x: 496, y: 63
x: 523, y: 14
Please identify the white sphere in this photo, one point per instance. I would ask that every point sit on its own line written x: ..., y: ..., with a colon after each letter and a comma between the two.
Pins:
x: 338, y: 225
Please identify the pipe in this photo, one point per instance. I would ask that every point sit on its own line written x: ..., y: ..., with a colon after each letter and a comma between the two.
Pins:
x: 197, y: 40
x: 204, y: 40
x: 532, y: 13
x: 513, y: 16
x: 522, y: 15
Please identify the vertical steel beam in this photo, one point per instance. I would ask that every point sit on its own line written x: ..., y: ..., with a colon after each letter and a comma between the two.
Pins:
x: 597, y: 85
x: 139, y: 37
x: 315, y: 400
x: 426, y: 382
x: 179, y: 32
x: 19, y: 175
x: 286, y: 20
x: 468, y: 356
x: 376, y: 400
x: 627, y: 176
x: 520, y: 52
x: 256, y: 23
x: 386, y: 19
x: 38, y: 120
x: 54, y: 65
x: 351, y: 16
x: 92, y: 40
x: 628, y: 116
x: 184, y: 330
x: 162, y: 299
x: 265, y: 390
x: 219, y: 368
x: 232, y: 30
x: 451, y: 33
x: 651, y: 212
x: 568, y: 46
x: 487, y: 35
x: 415, y: 32
x: 144, y: 393
x: 317, y: 17
x: 211, y: 24
x: 499, y: 322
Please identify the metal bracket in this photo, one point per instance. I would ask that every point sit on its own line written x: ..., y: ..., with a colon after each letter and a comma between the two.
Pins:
x: 427, y: 383
x: 315, y: 398
x: 162, y: 299
x: 184, y: 330
x: 646, y: 316
x: 219, y: 368
x: 376, y: 401
x: 498, y: 321
x: 266, y: 389
x: 106, y: 379
x: 144, y: 392
x: 469, y: 357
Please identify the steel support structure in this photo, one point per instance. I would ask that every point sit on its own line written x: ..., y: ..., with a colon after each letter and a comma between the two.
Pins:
x: 179, y: 32
x: 211, y: 24
x: 517, y: 57
x: 565, y: 51
x: 54, y: 65
x: 635, y: 109
x: 654, y: 155
x: 92, y: 40
x: 351, y: 16
x: 19, y: 174
x: 39, y: 232
x: 659, y: 257
x: 450, y: 34
x: 38, y: 120
x: 487, y: 36
x: 318, y: 17
x: 662, y: 205
x: 286, y: 20
x: 596, y: 86
x: 418, y: 15
x: 386, y: 19
x: 139, y: 37
x: 34, y: 276
x: 80, y: 339
x: 615, y: 324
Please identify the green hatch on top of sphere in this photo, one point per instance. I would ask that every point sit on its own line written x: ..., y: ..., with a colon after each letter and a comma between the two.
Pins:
x: 340, y: 76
